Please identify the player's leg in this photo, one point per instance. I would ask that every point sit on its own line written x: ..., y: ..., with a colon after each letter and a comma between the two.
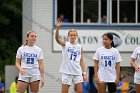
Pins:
x: 34, y: 84
x: 137, y: 83
x: 66, y: 82
x: 137, y: 86
x: 22, y: 84
x: 65, y: 88
x: 77, y: 80
x: 101, y: 87
x: 78, y: 87
x: 112, y: 87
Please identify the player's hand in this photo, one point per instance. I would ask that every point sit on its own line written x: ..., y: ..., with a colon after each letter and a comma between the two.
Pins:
x: 59, y: 22
x: 137, y: 69
x: 22, y: 71
x: 116, y: 81
x: 85, y: 77
x: 97, y: 81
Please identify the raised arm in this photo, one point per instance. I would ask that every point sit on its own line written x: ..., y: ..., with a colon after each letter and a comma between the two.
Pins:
x: 57, y: 37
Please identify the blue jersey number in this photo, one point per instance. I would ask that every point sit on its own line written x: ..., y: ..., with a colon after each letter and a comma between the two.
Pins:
x: 107, y: 63
x: 73, y: 57
x: 30, y: 60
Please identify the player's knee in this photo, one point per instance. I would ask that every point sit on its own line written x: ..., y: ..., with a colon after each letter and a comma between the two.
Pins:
x: 79, y: 91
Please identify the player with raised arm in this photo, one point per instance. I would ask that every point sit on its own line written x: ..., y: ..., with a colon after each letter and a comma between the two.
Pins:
x: 72, y: 67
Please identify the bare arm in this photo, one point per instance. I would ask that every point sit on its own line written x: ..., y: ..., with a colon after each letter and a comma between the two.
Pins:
x: 57, y: 36
x: 83, y: 67
x: 123, y: 88
x: 119, y: 88
x: 41, y: 67
x: 132, y: 63
x: 18, y: 61
x: 117, y: 72
x: 17, y: 64
x: 82, y: 63
x: 96, y: 71
x: 96, y: 67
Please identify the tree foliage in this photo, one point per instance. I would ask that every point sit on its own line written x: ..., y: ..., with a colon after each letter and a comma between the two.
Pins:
x: 10, y: 31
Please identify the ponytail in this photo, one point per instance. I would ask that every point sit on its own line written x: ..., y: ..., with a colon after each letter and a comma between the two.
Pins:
x: 112, y: 44
x: 25, y: 43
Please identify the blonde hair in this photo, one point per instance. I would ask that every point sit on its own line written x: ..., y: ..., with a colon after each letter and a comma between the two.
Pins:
x: 72, y: 30
x: 27, y: 35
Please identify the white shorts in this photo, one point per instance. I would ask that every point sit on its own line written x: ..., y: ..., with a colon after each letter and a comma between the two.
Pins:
x: 137, y: 78
x: 29, y: 79
x: 68, y: 79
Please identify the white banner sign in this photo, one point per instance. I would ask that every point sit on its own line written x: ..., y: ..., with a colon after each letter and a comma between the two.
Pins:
x: 124, y: 40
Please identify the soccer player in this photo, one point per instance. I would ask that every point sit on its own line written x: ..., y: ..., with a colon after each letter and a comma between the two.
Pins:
x: 107, y: 65
x: 135, y: 63
x: 29, y: 62
x: 72, y: 67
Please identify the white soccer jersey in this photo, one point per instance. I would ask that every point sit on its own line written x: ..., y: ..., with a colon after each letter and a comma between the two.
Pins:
x: 136, y: 56
x: 71, y: 59
x: 107, y: 61
x: 29, y: 59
